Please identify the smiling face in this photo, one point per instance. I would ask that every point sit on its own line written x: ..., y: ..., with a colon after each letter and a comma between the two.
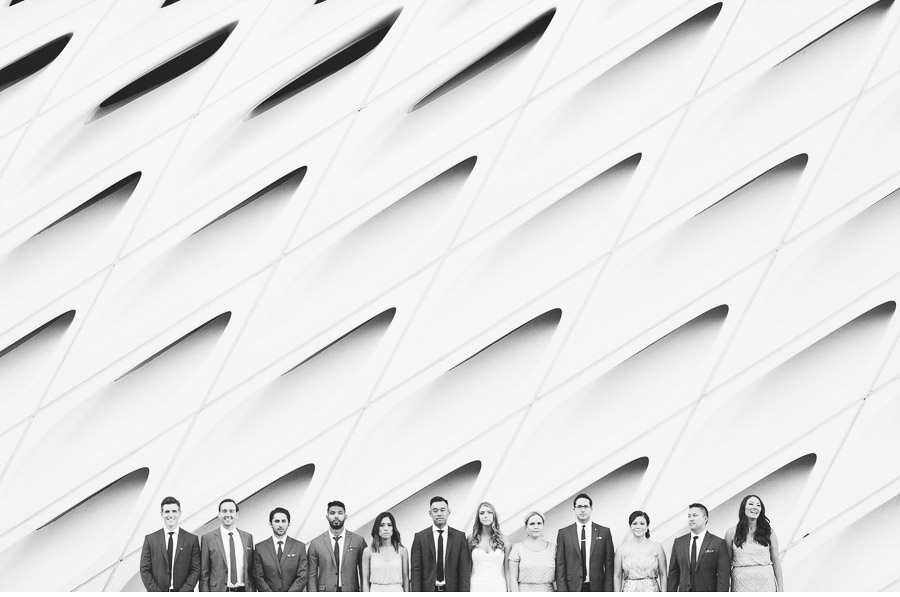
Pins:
x: 639, y: 526
x: 696, y: 520
x: 228, y: 514
x: 385, y: 529
x: 534, y: 526
x: 583, y: 510
x: 753, y: 507
x: 336, y: 517
x: 485, y: 515
x: 280, y: 524
x: 439, y: 512
x: 171, y: 513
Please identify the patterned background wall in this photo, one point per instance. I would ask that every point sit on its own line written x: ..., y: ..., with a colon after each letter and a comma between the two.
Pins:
x: 291, y: 251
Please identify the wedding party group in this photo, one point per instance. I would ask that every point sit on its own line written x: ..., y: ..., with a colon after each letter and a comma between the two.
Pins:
x: 444, y: 559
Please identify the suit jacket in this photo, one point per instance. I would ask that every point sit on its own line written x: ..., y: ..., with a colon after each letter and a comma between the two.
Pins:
x: 569, y: 574
x: 322, y: 572
x: 214, y: 566
x: 155, y: 563
x: 713, y: 571
x: 457, y: 562
x: 287, y: 574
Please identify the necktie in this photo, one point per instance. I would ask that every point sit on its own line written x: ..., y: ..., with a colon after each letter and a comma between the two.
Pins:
x: 439, y: 575
x: 583, y: 554
x: 232, y: 562
x: 280, y: 551
x: 693, y: 559
x: 170, y: 551
x: 337, y: 558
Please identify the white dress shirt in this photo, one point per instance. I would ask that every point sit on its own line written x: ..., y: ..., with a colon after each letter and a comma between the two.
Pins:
x: 276, y: 539
x: 587, y: 544
x: 174, y: 552
x: 435, y: 535
x: 238, y: 555
x: 340, y: 542
x: 700, y: 539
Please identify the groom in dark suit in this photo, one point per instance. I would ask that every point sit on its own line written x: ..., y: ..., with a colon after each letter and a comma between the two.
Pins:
x: 584, y: 552
x: 440, y: 559
x: 170, y: 557
x: 699, y: 559
x: 279, y: 562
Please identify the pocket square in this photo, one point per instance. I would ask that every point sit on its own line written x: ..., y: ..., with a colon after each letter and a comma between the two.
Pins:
x: 291, y: 555
x: 710, y: 551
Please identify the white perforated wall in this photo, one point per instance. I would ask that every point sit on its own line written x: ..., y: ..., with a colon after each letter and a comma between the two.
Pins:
x: 289, y: 251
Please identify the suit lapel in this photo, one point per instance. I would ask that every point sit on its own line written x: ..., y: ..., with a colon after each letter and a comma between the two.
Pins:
x: 432, y: 556
x: 270, y: 547
x: 182, y: 538
x: 702, y: 550
x: 218, y: 539
x: 165, y: 549
x: 329, y: 546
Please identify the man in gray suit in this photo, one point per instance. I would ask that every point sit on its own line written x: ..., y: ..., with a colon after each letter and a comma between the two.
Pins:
x: 279, y: 563
x: 584, y: 552
x: 226, y: 553
x: 170, y: 557
x: 335, y: 556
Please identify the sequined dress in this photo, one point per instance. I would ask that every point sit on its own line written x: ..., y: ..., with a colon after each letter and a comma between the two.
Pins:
x: 751, y: 568
x: 537, y: 569
x: 640, y: 575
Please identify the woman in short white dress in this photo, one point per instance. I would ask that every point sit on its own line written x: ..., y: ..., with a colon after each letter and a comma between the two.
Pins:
x: 385, y: 564
x: 489, y: 552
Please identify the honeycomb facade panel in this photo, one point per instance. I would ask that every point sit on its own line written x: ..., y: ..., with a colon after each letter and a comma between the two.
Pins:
x: 290, y: 252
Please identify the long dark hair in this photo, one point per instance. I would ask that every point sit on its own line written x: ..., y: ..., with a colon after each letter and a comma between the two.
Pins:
x: 479, y: 530
x: 376, y: 538
x: 763, y: 527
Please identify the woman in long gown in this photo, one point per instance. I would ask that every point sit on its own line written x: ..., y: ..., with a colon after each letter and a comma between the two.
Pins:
x: 532, y: 563
x: 489, y: 552
x: 753, y: 546
x: 385, y: 563
x: 640, y: 564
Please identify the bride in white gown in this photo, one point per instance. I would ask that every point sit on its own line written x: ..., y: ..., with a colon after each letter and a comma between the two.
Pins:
x: 490, y: 551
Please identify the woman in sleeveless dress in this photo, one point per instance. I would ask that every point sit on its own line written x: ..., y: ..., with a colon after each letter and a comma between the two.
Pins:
x: 640, y: 564
x: 532, y: 563
x: 489, y: 552
x: 385, y: 564
x: 753, y: 546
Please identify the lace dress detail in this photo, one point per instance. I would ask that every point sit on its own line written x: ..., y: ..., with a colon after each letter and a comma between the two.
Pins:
x: 537, y: 569
x: 752, y: 568
x: 640, y: 575
x: 487, y: 571
x: 385, y: 572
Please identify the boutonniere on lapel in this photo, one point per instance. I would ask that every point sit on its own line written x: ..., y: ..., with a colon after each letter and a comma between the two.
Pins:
x: 349, y: 548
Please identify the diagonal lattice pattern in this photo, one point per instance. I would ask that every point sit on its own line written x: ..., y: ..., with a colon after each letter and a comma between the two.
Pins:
x: 292, y: 251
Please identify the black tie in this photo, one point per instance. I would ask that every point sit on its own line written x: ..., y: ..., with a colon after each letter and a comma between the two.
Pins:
x: 280, y: 551
x: 170, y: 550
x: 439, y: 576
x: 583, y: 555
x: 693, y: 559
x: 232, y: 574
x: 337, y: 558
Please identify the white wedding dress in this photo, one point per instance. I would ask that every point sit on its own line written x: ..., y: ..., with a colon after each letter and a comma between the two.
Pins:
x: 487, y: 571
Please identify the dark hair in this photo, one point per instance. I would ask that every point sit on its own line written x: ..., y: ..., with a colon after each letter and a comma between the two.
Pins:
x: 236, y: 507
x: 585, y: 496
x: 763, y: 531
x: 279, y: 511
x: 376, y: 538
x: 337, y: 503
x: 640, y: 514
x: 493, y: 531
x: 169, y: 500
x: 438, y: 498
x: 702, y: 507
x: 533, y: 513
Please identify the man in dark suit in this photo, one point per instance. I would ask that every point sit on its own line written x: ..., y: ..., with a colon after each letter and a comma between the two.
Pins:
x: 170, y: 557
x: 279, y: 563
x: 226, y: 553
x: 335, y: 556
x: 584, y: 552
x: 440, y: 560
x: 699, y: 559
